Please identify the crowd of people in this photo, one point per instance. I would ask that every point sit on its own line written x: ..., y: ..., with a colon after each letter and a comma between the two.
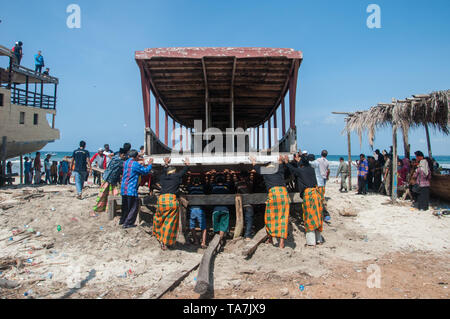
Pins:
x: 127, y: 170
x: 413, y: 176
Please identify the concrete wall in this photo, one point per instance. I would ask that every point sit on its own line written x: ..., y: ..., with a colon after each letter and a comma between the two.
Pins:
x: 27, y: 133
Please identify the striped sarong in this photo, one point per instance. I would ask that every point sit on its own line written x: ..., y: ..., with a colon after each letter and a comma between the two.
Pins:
x: 165, y: 220
x: 102, y: 198
x: 277, y: 212
x: 312, y: 207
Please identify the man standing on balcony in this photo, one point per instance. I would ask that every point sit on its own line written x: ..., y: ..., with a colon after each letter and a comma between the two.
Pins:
x: 81, y: 159
x: 38, y: 62
x: 17, y: 49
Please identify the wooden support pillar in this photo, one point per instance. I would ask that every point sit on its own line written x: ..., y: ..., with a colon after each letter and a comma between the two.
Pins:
x: 430, y: 155
x: 166, y: 129
x: 292, y: 94
x: 269, y: 132
x: 275, y: 126
x: 263, y: 144
x: 145, y: 96
x: 186, y: 139
x: 349, y: 162
x: 3, y: 157
x: 181, y: 137
x: 257, y: 138
x: 173, y: 133
x: 394, y: 163
x: 54, y: 95
x: 283, y: 117
x: 10, y: 73
x: 157, y: 117
x: 239, y: 217
x: 21, y: 169
x: 42, y: 92
x: 406, y: 145
x: 53, y: 120
x: 26, y: 90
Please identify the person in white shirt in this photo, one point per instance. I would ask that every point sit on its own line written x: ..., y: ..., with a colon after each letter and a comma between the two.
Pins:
x: 322, y: 169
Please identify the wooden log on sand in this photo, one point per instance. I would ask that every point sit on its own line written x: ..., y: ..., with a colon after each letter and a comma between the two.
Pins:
x: 239, y: 217
x: 204, y: 271
x: 169, y: 282
x: 260, y: 237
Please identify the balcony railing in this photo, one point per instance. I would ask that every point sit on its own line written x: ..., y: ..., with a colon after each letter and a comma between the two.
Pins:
x: 29, y: 98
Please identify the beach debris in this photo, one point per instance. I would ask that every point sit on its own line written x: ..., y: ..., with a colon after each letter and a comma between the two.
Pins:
x: 58, y: 228
x: 52, y: 209
x: 284, y: 291
x: 348, y: 212
x: 8, y: 284
x: 301, y: 287
x: 28, y: 293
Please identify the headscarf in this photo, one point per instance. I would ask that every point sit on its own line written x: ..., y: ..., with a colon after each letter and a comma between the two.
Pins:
x: 405, y: 163
x: 423, y: 165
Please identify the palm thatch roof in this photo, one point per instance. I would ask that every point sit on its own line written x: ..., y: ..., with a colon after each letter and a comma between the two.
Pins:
x: 430, y: 109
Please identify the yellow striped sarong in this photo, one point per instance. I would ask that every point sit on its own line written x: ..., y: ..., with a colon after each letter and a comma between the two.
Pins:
x: 277, y: 212
x: 165, y: 220
x: 312, y: 207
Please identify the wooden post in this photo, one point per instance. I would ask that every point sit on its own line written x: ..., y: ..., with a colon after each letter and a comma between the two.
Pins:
x: 239, y: 217
x: 173, y: 133
x: 430, y: 155
x: 269, y: 132
x: 181, y: 137
x: 53, y: 120
x: 145, y: 96
x: 56, y: 89
x: 3, y: 159
x: 157, y: 117
x: 394, y: 162
x: 187, y: 138
x: 292, y: 94
x: 166, y: 129
x: 26, y: 90
x: 406, y: 145
x: 181, y: 236
x: 283, y: 117
x: 349, y: 162
x: 275, y: 126
x: 203, y: 278
x: 257, y: 139
x: 42, y: 91
x: 21, y: 169
x: 263, y: 144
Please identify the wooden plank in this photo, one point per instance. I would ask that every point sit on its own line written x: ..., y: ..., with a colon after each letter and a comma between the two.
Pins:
x: 394, y: 163
x: 229, y: 199
x: 112, y: 205
x: 203, y: 278
x: 239, y: 227
x: 169, y: 282
x: 182, y: 229
x: 260, y: 237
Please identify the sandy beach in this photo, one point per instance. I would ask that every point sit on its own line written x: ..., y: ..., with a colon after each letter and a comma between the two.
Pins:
x: 94, y: 258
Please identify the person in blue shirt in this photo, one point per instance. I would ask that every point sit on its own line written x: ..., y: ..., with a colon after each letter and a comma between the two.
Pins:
x: 129, y: 190
x: 27, y: 170
x: 38, y: 62
x: 197, y: 214
x: 363, y: 170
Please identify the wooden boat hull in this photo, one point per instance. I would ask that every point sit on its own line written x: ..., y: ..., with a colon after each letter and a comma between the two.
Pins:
x: 440, y: 186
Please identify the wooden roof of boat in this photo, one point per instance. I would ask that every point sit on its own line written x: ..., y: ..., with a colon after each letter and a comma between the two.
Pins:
x: 184, y: 79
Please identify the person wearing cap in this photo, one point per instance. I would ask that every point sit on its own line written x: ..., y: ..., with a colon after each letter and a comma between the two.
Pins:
x: 423, y: 179
x: 276, y: 216
x: 99, y: 161
x: 132, y: 169
x: 166, y: 218
x: 343, y: 171
x: 110, y: 185
x: 312, y: 206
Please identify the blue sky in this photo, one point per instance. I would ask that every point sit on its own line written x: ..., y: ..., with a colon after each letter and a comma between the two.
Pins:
x: 346, y: 65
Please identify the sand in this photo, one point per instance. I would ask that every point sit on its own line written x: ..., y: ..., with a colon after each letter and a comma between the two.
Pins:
x: 111, y: 262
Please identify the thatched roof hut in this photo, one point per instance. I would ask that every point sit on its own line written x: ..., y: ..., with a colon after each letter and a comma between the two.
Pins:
x: 427, y: 110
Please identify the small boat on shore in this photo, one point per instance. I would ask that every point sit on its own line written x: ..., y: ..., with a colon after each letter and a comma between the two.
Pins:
x: 440, y: 186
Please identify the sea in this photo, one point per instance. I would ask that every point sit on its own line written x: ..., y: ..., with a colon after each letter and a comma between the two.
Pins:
x: 443, y: 161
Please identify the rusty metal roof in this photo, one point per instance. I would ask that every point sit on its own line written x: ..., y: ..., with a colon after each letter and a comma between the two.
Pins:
x: 181, y: 78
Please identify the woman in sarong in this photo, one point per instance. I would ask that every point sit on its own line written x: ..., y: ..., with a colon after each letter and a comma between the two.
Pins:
x: 277, y: 205
x: 166, y: 218
x: 312, y: 206
x: 110, y: 183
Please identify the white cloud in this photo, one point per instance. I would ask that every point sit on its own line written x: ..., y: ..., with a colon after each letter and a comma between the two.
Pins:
x: 330, y: 120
